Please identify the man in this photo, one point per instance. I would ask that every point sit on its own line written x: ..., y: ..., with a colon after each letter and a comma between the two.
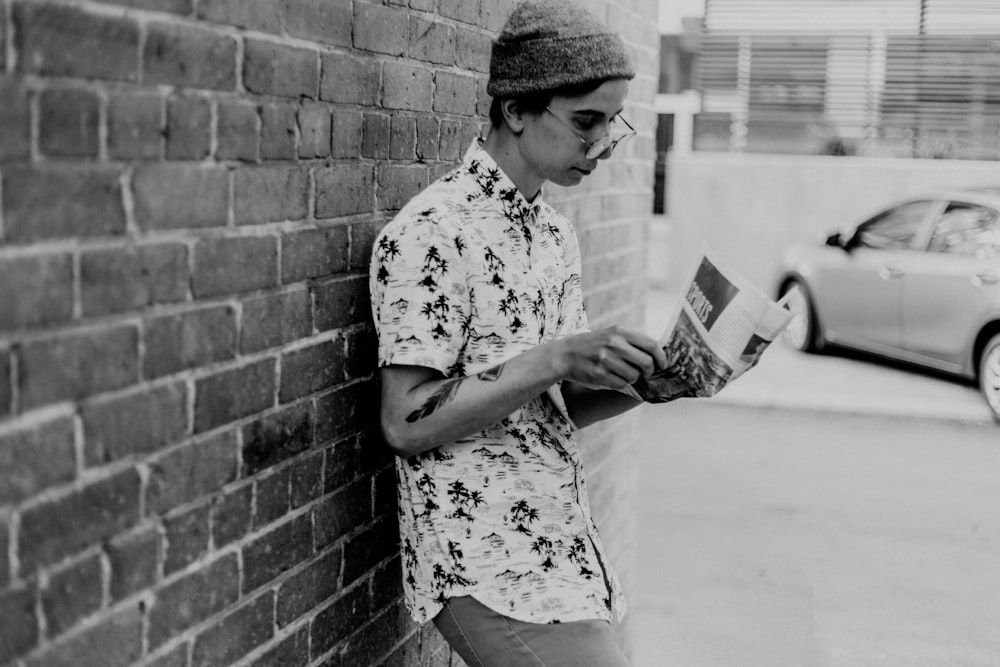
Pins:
x: 488, y: 367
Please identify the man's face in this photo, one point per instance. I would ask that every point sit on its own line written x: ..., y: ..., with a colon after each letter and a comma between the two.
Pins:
x: 555, y: 142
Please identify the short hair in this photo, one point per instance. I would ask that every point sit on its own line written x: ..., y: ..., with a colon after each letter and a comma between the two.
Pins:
x: 536, y: 102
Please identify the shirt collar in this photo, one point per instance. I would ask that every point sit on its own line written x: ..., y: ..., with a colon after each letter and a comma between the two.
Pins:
x: 497, y: 185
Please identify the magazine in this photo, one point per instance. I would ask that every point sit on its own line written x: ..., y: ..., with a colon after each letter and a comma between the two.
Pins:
x: 719, y: 330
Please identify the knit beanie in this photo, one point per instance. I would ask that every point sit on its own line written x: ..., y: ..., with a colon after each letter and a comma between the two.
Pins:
x: 548, y: 44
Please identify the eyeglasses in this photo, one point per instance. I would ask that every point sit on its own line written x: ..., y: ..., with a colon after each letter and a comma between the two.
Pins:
x: 602, y: 147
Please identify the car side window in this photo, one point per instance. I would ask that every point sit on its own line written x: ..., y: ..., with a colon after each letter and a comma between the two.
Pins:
x: 894, y: 229
x: 966, y: 229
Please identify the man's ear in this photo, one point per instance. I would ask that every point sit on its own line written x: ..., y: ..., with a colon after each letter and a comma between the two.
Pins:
x: 512, y: 115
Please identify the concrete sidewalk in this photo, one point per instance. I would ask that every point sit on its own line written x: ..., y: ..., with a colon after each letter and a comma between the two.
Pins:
x: 839, y: 382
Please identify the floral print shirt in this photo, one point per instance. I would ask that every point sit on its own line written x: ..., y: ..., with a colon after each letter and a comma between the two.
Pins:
x: 468, y: 275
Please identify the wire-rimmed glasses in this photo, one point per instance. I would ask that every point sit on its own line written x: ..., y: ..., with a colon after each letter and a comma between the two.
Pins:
x: 602, y: 147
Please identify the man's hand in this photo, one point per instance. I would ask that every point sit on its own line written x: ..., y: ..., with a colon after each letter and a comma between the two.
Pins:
x: 609, y: 358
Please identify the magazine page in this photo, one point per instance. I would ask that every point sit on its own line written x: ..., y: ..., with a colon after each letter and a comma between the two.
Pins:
x: 720, y: 330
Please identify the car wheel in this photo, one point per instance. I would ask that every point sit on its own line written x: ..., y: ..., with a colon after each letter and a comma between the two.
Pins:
x: 989, y: 375
x: 801, y: 333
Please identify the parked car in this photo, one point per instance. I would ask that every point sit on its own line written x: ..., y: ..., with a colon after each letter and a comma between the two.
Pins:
x: 918, y: 282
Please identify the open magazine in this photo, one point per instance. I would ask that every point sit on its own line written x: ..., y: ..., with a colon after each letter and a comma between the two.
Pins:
x: 718, y: 332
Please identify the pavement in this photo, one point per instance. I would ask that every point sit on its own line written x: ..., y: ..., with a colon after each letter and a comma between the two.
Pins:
x: 838, y: 381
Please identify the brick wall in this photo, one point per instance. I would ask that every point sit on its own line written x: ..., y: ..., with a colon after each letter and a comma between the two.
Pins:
x: 189, y: 473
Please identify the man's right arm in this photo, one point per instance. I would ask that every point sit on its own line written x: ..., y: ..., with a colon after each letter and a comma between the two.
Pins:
x: 421, y: 409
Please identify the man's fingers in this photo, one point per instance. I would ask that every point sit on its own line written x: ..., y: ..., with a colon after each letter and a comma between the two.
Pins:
x: 648, y: 346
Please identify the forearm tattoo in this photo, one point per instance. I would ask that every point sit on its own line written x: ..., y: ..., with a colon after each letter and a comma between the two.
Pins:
x: 447, y: 391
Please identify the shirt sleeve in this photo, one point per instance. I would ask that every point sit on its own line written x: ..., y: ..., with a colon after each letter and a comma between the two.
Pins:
x: 420, y: 295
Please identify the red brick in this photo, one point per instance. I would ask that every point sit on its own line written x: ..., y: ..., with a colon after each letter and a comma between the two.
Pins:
x: 311, y: 369
x: 319, y: 21
x: 399, y: 184
x: 340, y: 464
x: 340, y: 619
x: 345, y: 410
x: 134, y: 424
x: 60, y: 40
x: 343, y: 512
x: 77, y: 365
x: 177, y: 196
x: 381, y: 29
x: 466, y: 11
x: 235, y: 635
x: 15, y: 118
x: 283, y: 71
x: 113, y: 642
x: 308, y: 588
x: 313, y: 253
x: 455, y: 93
x: 362, y: 240
x: 19, y: 631
x: 186, y: 536
x: 68, y: 123
x: 45, y: 202
x: 402, y: 138
x: 38, y: 290
x: 344, y: 190
x: 342, y: 303
x: 169, y: 6
x: 292, y: 651
x: 275, y: 319
x: 71, y: 594
x: 493, y: 14
x: 277, y: 131
x: 387, y: 580
x: 346, y: 130
x: 472, y: 50
x: 277, y: 551
x: 189, y: 340
x: 270, y: 194
x: 314, y: 130
x: 121, y: 279
x: 6, y: 399
x: 375, y: 136
x: 191, y: 472
x: 231, y: 265
x: 378, y: 638
x: 189, y: 56
x: 263, y: 15
x: 305, y: 480
x: 432, y: 41
x: 5, y: 573
x: 409, y: 87
x: 349, y: 80
x: 232, y: 516
x: 427, y: 138
x: 135, y: 126
x: 362, y: 353
x: 58, y: 528
x: 271, y: 497
x: 176, y: 657
x: 192, y: 599
x: 189, y: 128
x: 421, y: 5
x: 363, y: 551
x: 34, y: 459
x: 234, y: 394
x: 450, y: 146
x: 133, y: 559
x: 238, y: 137
x: 277, y: 437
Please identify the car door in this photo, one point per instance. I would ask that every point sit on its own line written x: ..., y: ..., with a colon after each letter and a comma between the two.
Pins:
x: 860, y: 295
x: 947, y: 289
